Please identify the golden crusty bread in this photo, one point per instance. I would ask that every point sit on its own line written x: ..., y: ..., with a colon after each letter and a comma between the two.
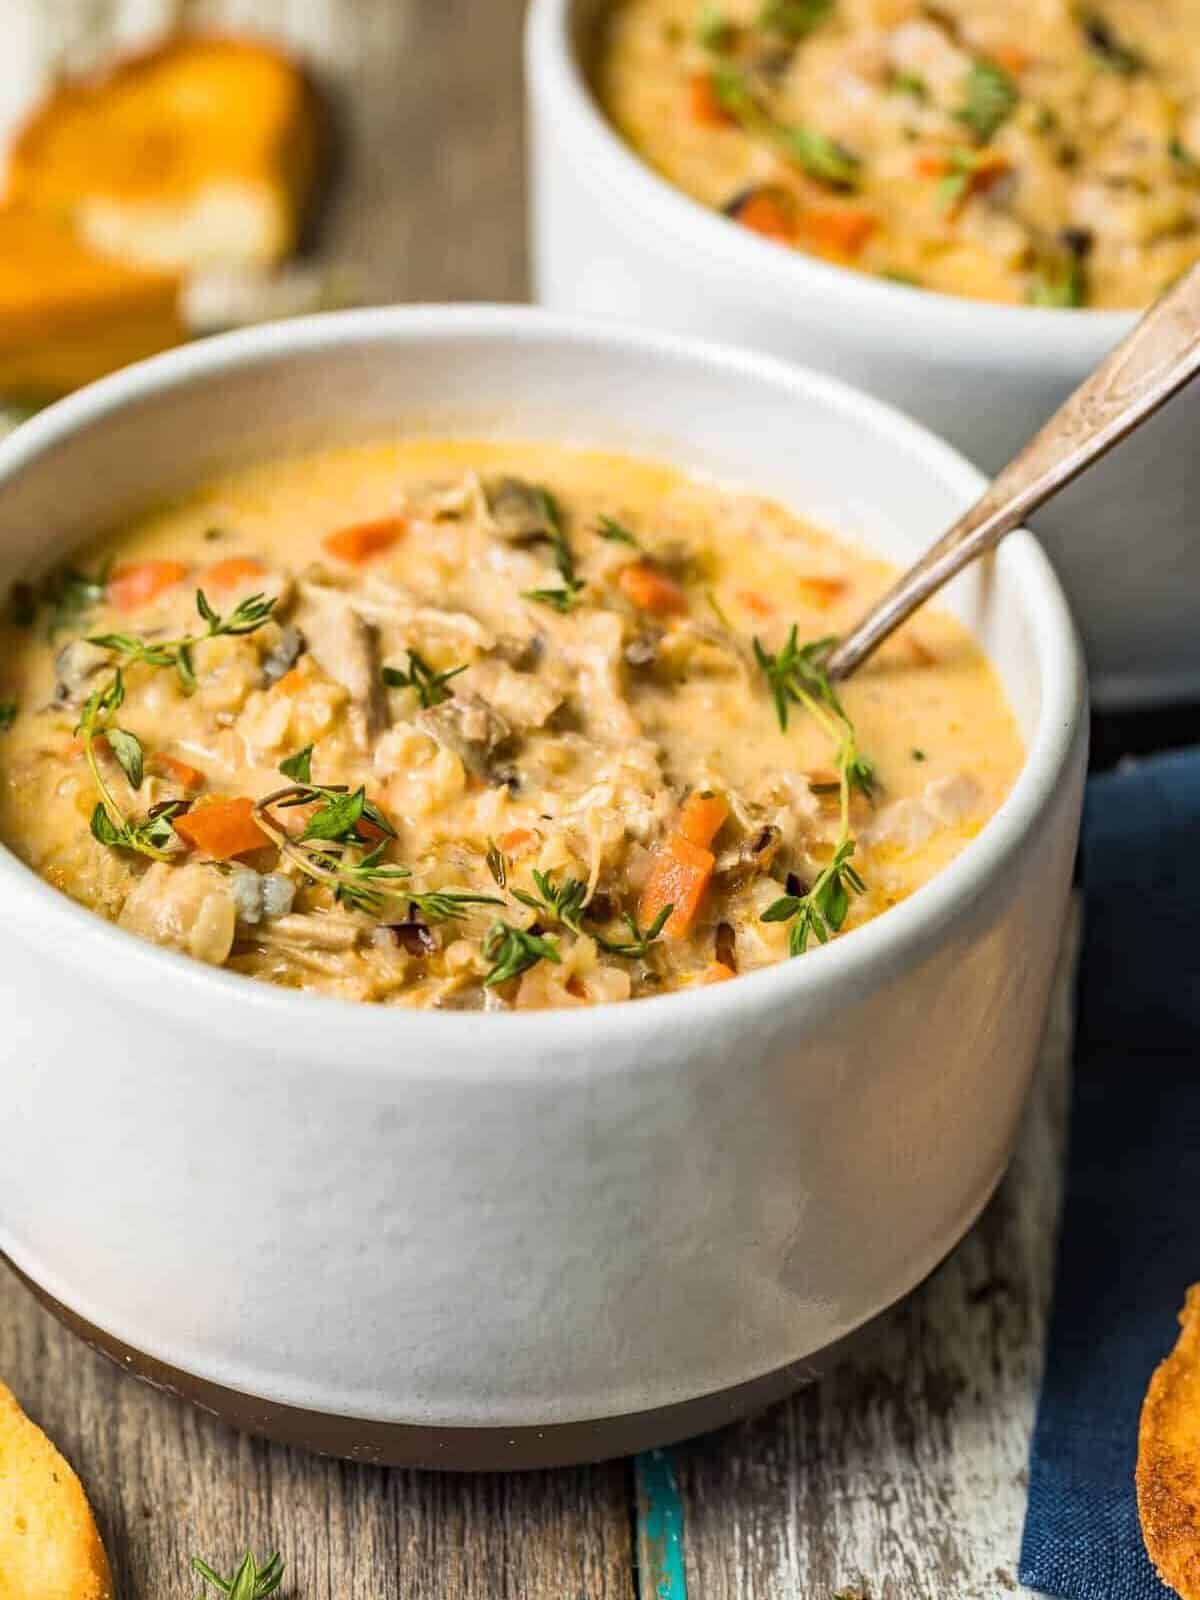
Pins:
x: 202, y: 151
x: 49, y: 1546
x: 69, y: 314
x: 1168, y: 1467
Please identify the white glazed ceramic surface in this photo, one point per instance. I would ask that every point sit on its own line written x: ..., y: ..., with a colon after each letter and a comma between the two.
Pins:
x: 612, y: 238
x: 496, y: 1220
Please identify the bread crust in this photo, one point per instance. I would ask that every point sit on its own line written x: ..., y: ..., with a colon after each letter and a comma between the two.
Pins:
x: 49, y: 1546
x: 131, y: 151
x: 1168, y: 1466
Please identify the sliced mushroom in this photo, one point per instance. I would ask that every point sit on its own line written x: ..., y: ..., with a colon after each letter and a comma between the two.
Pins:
x: 751, y: 858
x: 472, y: 730
x: 75, y: 665
x: 518, y: 511
x: 347, y: 648
x: 283, y: 656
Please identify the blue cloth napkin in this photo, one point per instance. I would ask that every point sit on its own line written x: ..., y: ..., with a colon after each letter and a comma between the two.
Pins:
x: 1130, y: 1241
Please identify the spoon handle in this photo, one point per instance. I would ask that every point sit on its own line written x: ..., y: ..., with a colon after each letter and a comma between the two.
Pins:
x: 1156, y: 359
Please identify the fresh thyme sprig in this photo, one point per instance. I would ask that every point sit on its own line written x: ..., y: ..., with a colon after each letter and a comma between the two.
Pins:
x: 514, y: 950
x: 796, y: 675
x: 990, y: 98
x: 151, y: 835
x: 249, y: 1582
x: 564, y: 597
x: 616, y: 532
x: 566, y: 902
x: 429, y: 684
x: 822, y: 910
x: 341, y: 847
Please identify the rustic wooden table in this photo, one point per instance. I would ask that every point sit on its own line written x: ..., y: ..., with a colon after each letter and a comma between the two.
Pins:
x: 903, y: 1475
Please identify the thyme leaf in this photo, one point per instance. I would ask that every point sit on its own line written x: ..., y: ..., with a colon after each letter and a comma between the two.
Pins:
x: 616, y: 532
x: 249, y: 1582
x: 794, y: 18
x: 991, y: 97
x: 796, y: 675
x: 563, y: 600
x: 8, y: 714
x: 429, y: 684
x: 1059, y: 284
x: 514, y: 950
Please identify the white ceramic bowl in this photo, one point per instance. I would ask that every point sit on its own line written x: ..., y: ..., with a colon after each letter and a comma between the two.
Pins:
x: 507, y: 1239
x: 611, y: 237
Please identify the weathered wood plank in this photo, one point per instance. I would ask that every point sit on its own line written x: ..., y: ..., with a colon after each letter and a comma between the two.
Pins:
x: 907, y: 1468
x: 168, y: 1482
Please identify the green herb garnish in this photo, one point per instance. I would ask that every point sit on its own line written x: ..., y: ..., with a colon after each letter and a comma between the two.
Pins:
x: 566, y: 903
x: 152, y: 835
x: 712, y: 29
x: 910, y: 83
x: 562, y: 600
x: 616, y: 532
x: 795, y: 18
x: 955, y: 185
x: 820, y: 157
x: 8, y: 714
x: 1059, y: 284
x: 1182, y: 157
x: 918, y: 755
x: 249, y: 1582
x: 513, y: 951
x: 429, y: 685
x: 338, y: 850
x: 821, y: 912
x: 991, y: 98
x: 71, y: 594
x: 796, y: 675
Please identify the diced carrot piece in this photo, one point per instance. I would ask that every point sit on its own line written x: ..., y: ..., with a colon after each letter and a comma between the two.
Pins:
x: 764, y: 213
x: 718, y: 972
x: 822, y: 592
x: 931, y: 165
x: 1011, y: 57
x: 650, y: 589
x: 840, y: 232
x: 222, y: 829
x: 703, y: 105
x: 756, y: 603
x: 292, y: 682
x: 514, y: 839
x: 702, y: 816
x: 136, y: 585
x: 180, y: 772
x: 76, y: 747
x: 363, y: 540
x: 679, y: 875
x: 236, y: 570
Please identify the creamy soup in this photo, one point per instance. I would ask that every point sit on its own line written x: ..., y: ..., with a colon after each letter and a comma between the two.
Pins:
x: 1016, y: 150
x: 464, y: 725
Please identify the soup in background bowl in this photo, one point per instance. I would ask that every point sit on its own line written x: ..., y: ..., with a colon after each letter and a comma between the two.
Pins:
x: 982, y: 365
x: 1041, y: 152
x: 471, y: 726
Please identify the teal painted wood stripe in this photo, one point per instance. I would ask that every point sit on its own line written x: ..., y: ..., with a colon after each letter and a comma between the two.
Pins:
x: 659, y: 1528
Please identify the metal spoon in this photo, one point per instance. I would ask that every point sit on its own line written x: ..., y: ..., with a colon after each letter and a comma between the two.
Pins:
x: 1155, y: 361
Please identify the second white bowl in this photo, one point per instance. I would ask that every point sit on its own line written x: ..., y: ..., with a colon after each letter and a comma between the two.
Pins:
x: 612, y: 238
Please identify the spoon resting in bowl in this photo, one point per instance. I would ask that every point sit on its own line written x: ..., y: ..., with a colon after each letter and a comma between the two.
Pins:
x: 1151, y: 364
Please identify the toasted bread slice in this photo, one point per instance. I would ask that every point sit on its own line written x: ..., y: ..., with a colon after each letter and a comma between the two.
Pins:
x: 202, y: 151
x: 1168, y: 1467
x: 69, y: 314
x: 49, y: 1546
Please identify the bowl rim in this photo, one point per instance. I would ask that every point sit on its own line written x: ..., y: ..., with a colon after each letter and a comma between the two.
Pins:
x: 553, y: 69
x: 364, y: 1035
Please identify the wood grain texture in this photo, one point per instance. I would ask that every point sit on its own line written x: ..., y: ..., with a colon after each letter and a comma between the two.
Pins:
x: 908, y: 1466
